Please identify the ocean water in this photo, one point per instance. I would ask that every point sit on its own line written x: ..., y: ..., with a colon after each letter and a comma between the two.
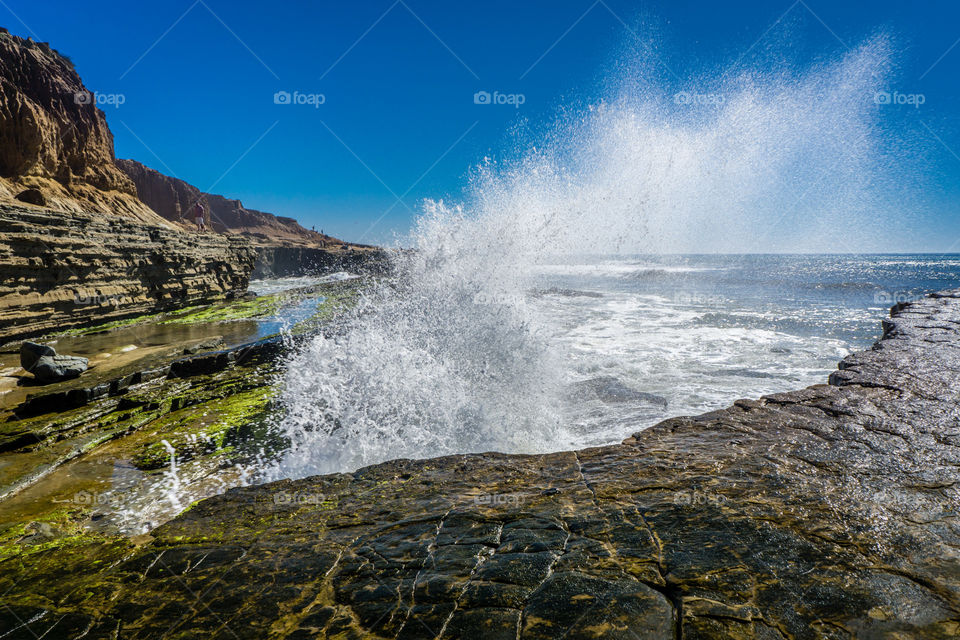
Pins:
x: 591, y: 350
x: 619, y: 343
x: 269, y: 286
x: 703, y: 331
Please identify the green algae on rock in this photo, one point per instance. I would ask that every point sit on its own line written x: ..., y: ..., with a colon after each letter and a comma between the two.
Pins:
x: 195, y: 431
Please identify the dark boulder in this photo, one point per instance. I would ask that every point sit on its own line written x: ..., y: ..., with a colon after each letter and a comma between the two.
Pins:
x: 54, y: 368
x: 31, y: 352
x: 46, y: 366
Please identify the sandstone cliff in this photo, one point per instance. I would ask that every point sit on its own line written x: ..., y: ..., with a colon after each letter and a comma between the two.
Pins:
x: 174, y: 199
x: 54, y: 139
x: 62, y: 270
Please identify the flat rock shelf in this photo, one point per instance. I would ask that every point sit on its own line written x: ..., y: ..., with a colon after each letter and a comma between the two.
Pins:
x: 830, y: 512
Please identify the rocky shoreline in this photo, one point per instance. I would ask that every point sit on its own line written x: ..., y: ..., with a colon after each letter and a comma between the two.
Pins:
x: 151, y: 378
x: 829, y: 512
x: 65, y: 270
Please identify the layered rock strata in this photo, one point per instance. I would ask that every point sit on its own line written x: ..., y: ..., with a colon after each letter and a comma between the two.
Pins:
x: 280, y: 262
x: 62, y: 270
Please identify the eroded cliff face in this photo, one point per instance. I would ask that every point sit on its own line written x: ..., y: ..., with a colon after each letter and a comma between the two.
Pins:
x: 284, y: 247
x: 54, y: 139
x: 56, y: 153
x: 174, y: 199
x: 61, y: 270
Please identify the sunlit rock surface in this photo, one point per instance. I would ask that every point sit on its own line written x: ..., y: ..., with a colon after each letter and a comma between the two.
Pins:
x: 829, y: 512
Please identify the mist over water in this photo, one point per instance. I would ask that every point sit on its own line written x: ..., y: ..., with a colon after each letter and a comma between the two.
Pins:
x: 455, y: 355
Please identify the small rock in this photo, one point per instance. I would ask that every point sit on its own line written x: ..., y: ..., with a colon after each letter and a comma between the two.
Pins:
x: 206, y: 345
x: 10, y: 347
x: 141, y: 539
x: 46, y: 366
x: 31, y: 352
x: 38, y: 533
x: 610, y: 390
x: 32, y: 196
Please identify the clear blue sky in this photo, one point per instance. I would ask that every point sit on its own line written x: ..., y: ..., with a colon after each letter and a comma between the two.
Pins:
x: 399, y: 118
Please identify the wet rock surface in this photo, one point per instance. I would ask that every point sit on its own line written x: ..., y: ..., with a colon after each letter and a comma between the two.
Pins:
x: 829, y: 512
x: 31, y: 352
x: 213, y: 407
x: 53, y: 368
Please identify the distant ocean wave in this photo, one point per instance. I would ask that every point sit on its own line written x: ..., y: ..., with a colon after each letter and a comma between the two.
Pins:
x: 619, y: 270
x: 849, y: 285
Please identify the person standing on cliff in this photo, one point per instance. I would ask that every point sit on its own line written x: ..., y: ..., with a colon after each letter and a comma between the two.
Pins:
x: 198, y: 212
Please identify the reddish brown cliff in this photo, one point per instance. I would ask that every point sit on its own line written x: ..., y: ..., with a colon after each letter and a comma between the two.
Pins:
x: 174, y: 199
